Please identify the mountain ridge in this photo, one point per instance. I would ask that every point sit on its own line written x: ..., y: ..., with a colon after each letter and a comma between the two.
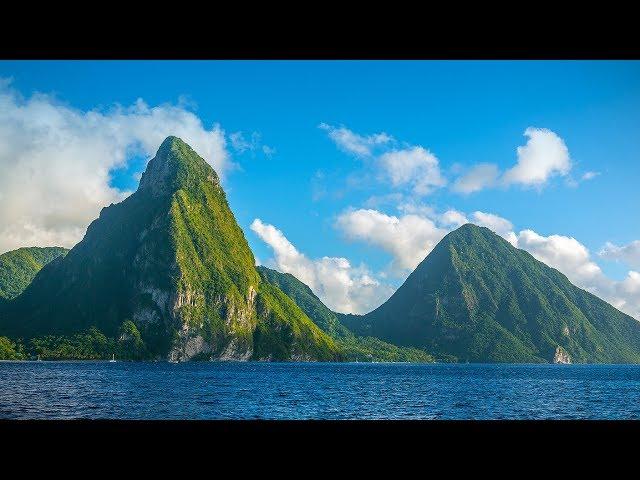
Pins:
x: 356, y: 348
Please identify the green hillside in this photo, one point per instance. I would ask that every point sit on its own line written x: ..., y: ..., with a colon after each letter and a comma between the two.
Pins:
x: 355, y: 348
x: 477, y: 298
x: 19, y: 267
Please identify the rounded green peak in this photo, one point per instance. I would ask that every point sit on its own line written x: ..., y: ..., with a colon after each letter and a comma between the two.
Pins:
x: 470, y: 230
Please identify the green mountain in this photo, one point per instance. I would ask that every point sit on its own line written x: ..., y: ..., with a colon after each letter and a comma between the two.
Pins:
x: 355, y: 348
x: 172, y: 260
x: 477, y: 298
x: 18, y: 267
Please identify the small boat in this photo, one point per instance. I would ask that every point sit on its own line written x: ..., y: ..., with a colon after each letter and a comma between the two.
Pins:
x: 113, y: 358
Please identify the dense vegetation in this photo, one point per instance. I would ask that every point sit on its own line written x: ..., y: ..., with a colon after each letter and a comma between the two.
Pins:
x: 89, y: 345
x: 477, y: 298
x: 10, y: 350
x: 173, y: 261
x: 354, y: 348
x: 18, y: 267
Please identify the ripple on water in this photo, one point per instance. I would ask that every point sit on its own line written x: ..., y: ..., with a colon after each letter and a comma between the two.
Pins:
x: 321, y: 390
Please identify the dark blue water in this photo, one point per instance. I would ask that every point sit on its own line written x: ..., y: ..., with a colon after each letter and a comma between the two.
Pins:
x: 208, y: 390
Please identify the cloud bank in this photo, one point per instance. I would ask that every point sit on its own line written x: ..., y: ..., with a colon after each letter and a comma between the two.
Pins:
x: 342, y: 287
x: 56, y: 161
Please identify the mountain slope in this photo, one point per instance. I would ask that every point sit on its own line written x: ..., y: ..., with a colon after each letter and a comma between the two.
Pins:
x: 19, y: 267
x: 172, y: 259
x: 355, y: 348
x: 477, y: 298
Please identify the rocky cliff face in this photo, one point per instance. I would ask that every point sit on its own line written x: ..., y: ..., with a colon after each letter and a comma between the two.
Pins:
x: 173, y: 259
x: 561, y: 356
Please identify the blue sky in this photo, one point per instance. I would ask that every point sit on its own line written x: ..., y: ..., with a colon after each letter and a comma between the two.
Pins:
x: 461, y: 113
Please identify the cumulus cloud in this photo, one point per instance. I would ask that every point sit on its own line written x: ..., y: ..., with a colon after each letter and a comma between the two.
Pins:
x: 628, y: 294
x: 351, y: 142
x: 499, y: 225
x: 453, y: 218
x: 479, y: 177
x: 408, y: 238
x: 561, y: 252
x: 544, y: 155
x: 341, y: 286
x: 56, y: 161
x: 629, y: 254
x: 414, y: 166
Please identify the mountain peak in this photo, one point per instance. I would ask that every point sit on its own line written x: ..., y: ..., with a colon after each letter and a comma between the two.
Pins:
x: 471, y: 229
x: 176, y: 165
x: 476, y: 297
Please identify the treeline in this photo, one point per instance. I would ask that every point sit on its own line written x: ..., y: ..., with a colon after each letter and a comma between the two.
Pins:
x: 89, y: 345
x: 371, y: 349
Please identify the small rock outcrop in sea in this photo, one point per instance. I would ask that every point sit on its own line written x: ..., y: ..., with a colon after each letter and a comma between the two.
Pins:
x: 561, y: 356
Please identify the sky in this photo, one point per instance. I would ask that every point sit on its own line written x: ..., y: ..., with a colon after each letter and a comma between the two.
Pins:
x: 344, y: 173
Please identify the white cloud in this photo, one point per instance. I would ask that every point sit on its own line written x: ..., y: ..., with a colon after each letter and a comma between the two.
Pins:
x: 628, y: 294
x: 499, y: 225
x: 242, y: 144
x: 544, y: 155
x: 414, y: 166
x: 239, y: 143
x: 56, y: 161
x: 354, y: 143
x: 408, y: 238
x: 479, y: 177
x: 453, y: 218
x: 590, y: 175
x: 630, y: 253
x: 561, y: 252
x: 334, y: 280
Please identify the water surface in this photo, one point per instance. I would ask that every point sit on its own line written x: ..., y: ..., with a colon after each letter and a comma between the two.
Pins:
x: 212, y: 390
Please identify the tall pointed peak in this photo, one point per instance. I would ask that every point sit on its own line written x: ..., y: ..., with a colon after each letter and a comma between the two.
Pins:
x: 176, y: 165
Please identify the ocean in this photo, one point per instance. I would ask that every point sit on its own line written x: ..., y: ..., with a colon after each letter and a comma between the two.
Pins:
x: 221, y: 390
